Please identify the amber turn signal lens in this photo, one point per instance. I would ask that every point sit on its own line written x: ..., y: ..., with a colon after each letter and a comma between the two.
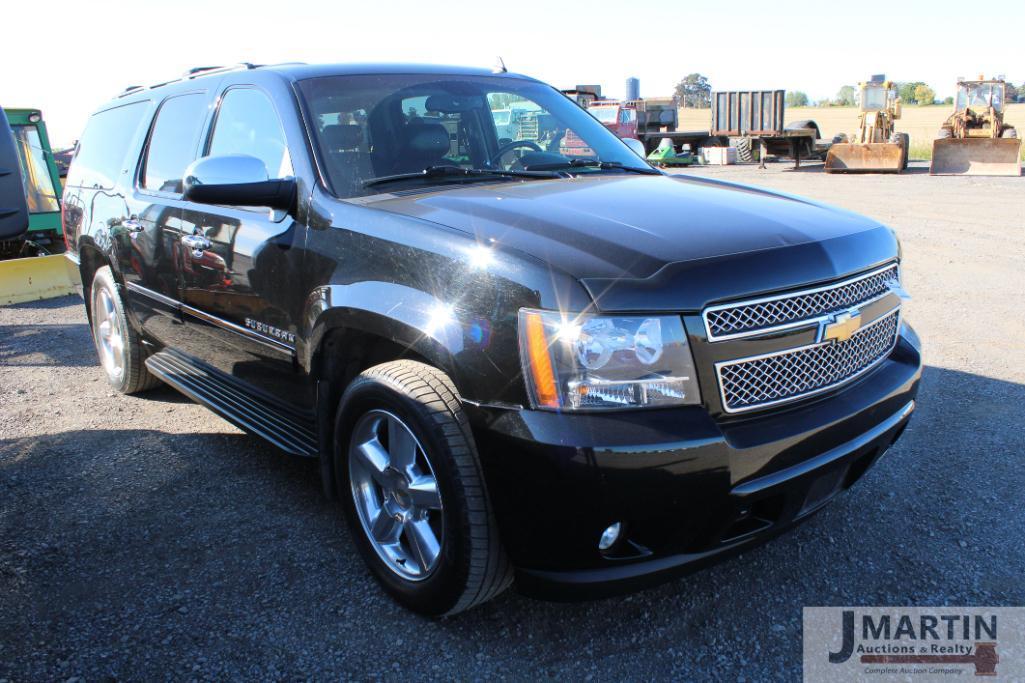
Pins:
x: 541, y: 362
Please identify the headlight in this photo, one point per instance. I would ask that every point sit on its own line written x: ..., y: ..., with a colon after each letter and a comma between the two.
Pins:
x: 605, y: 362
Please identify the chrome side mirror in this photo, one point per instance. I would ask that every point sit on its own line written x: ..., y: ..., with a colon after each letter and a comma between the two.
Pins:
x: 236, y: 180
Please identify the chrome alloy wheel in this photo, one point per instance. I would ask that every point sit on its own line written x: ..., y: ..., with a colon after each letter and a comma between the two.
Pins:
x: 396, y: 495
x: 107, y: 330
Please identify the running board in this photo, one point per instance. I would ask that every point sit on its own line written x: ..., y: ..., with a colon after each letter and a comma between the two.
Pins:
x: 229, y: 398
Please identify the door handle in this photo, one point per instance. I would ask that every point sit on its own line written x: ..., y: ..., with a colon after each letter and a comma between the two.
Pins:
x: 132, y: 225
x: 197, y: 242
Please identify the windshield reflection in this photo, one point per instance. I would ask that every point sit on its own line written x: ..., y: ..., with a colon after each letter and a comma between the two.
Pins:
x: 369, y: 127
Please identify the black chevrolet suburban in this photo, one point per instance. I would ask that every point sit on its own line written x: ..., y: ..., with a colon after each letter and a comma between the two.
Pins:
x: 513, y: 357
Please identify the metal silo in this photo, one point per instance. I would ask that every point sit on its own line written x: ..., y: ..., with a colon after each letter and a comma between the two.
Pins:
x: 633, y: 88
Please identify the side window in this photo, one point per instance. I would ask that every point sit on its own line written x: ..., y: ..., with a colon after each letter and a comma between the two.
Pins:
x: 172, y: 145
x: 248, y: 124
x: 101, y: 152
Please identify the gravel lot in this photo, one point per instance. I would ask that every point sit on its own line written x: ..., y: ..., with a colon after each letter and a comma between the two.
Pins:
x: 144, y: 538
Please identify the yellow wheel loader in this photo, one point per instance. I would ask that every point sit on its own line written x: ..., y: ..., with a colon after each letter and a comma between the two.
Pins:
x: 875, y: 147
x: 974, y: 140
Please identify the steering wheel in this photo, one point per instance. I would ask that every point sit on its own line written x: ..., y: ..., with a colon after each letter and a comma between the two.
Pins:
x: 508, y: 147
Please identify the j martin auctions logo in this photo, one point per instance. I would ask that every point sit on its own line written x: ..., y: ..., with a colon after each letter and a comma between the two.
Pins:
x: 919, y: 641
x: 894, y: 643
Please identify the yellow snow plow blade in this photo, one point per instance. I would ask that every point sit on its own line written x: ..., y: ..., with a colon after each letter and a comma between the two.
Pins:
x: 34, y: 278
x: 976, y: 156
x: 874, y: 157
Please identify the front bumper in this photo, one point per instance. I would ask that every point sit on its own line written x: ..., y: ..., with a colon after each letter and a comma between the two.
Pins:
x: 690, y: 490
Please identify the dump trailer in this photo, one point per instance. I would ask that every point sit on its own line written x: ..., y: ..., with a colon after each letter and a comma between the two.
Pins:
x: 876, y: 147
x: 975, y: 140
x: 32, y: 265
x: 755, y: 117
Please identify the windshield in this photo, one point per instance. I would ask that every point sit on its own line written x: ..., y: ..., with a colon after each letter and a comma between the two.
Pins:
x: 381, y: 125
x: 604, y: 114
x: 980, y: 95
x: 873, y: 98
x: 39, y: 190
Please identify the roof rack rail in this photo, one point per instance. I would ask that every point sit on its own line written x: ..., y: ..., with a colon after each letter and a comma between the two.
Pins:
x: 197, y: 71
x: 194, y: 72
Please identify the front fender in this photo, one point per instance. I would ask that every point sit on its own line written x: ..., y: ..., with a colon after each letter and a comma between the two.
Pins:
x: 417, y: 320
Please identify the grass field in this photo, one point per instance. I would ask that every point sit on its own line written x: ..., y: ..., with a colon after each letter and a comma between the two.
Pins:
x: 920, y: 122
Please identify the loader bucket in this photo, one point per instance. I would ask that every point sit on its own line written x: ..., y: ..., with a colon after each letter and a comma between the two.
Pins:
x: 976, y: 156
x: 876, y: 157
x: 35, y: 278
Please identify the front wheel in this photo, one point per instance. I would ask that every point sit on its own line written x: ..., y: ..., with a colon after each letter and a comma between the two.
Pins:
x: 410, y: 479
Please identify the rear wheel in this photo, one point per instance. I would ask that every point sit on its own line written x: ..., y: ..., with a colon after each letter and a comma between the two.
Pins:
x: 745, y: 155
x: 944, y: 134
x: 118, y: 345
x: 409, y: 476
x: 1009, y: 132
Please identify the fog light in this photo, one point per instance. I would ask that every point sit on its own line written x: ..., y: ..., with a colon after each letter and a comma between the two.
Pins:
x: 610, y: 536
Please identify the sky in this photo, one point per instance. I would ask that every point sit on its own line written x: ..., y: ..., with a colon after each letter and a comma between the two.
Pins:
x: 98, y: 48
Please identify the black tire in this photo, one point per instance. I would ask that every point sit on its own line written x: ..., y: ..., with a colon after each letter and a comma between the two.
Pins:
x: 805, y: 123
x: 472, y: 567
x: 129, y: 374
x: 904, y: 140
x: 1009, y: 132
x: 745, y: 154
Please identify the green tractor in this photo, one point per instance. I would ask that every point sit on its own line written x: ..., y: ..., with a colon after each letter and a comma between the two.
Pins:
x: 42, y: 186
x: 31, y: 239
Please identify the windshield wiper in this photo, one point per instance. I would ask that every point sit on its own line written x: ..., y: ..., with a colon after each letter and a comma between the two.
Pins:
x: 592, y: 163
x: 458, y: 172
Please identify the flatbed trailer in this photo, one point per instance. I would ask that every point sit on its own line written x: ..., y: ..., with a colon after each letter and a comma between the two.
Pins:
x: 695, y: 138
x: 650, y: 121
x: 795, y: 143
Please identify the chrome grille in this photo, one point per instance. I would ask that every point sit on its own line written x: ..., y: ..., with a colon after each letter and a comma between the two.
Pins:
x: 751, y: 383
x: 758, y: 316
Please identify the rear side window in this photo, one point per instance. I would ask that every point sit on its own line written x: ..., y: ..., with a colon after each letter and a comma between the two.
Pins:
x: 101, y: 151
x: 172, y: 144
x: 248, y: 124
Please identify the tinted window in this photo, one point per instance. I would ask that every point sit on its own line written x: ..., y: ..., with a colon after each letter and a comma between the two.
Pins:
x: 172, y: 145
x: 248, y: 124
x: 104, y: 144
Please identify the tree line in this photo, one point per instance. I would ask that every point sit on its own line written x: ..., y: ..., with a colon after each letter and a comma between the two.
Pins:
x: 695, y: 91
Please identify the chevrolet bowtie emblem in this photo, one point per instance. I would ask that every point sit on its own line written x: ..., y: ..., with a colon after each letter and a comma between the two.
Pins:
x: 841, y: 327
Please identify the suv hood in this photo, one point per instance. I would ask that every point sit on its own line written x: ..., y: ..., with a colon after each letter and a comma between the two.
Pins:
x: 659, y: 242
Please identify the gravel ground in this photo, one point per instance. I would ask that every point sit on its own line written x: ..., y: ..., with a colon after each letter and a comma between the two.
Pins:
x: 144, y: 538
